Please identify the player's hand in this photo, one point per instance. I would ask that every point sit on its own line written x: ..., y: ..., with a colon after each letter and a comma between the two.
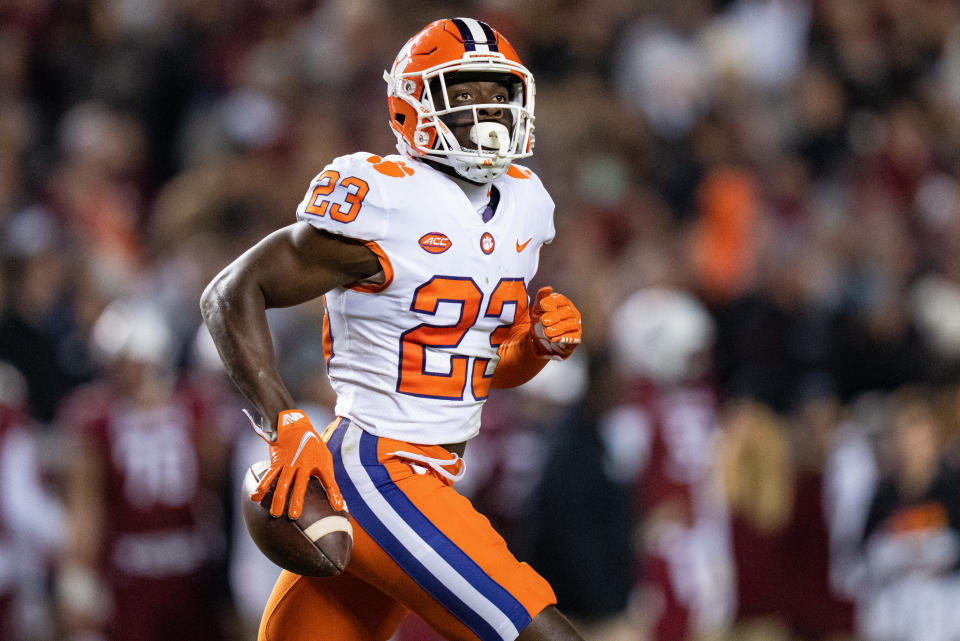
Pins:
x: 296, y: 453
x: 555, y: 325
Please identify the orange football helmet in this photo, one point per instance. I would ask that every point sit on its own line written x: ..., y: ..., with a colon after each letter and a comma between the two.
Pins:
x: 445, y: 52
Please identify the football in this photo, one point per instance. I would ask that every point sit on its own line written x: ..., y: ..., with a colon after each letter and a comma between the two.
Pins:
x: 316, y: 544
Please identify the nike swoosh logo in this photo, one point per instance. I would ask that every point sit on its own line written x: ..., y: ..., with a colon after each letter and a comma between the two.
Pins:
x: 522, y: 246
x: 303, y: 443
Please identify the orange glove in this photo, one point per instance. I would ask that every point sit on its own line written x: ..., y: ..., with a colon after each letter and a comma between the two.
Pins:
x: 554, y: 325
x: 296, y: 453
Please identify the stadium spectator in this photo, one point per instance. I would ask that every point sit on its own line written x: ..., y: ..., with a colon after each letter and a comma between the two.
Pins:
x: 815, y: 610
x: 758, y: 480
x: 912, y: 534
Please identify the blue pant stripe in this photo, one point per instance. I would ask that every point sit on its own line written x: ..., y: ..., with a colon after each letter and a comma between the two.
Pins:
x: 439, y: 541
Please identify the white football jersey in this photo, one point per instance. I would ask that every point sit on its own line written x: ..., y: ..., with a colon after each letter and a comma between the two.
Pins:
x: 412, y: 359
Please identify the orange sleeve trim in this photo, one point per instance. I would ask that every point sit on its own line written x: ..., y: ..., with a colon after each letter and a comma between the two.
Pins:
x: 518, y: 360
x: 385, y: 265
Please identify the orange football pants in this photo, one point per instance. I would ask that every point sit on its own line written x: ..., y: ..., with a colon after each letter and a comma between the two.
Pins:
x: 418, y: 545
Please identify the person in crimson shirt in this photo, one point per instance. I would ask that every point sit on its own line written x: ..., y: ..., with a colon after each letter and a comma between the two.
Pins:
x: 142, y: 466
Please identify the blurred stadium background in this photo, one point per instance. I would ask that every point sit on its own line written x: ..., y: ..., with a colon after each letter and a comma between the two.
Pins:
x: 758, y: 213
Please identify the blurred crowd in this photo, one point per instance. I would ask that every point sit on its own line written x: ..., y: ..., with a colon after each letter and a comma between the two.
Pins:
x: 758, y: 214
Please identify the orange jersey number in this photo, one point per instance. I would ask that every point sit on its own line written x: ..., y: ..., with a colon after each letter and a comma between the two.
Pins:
x: 508, y: 291
x: 356, y: 191
x: 413, y: 378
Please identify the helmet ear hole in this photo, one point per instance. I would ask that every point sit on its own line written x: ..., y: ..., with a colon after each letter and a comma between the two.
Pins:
x: 400, y: 118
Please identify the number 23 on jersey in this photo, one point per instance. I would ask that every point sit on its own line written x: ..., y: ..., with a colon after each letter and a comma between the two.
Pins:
x: 320, y: 205
x: 413, y: 378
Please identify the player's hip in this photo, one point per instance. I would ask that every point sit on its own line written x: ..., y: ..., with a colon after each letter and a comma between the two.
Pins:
x: 408, y: 417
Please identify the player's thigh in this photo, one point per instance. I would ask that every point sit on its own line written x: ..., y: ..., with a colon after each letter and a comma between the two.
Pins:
x: 430, y: 549
x: 341, y: 608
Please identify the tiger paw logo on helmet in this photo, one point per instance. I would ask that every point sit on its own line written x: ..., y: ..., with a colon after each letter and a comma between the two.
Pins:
x: 449, y: 51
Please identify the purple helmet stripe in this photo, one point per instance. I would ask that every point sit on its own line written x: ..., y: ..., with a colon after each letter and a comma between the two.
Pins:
x: 488, y: 32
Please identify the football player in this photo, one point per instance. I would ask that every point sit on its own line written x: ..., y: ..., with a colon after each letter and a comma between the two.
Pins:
x: 423, y: 259
x: 144, y: 464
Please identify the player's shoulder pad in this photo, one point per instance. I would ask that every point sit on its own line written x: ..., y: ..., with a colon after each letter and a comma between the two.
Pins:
x: 355, y: 194
x: 391, y: 178
x: 526, y: 182
x: 526, y: 186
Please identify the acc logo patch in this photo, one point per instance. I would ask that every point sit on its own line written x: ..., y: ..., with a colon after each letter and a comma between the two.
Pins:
x: 435, y: 242
x: 486, y: 243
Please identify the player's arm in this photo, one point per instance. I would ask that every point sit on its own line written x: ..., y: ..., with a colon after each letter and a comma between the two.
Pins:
x: 290, y: 266
x: 552, y: 332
